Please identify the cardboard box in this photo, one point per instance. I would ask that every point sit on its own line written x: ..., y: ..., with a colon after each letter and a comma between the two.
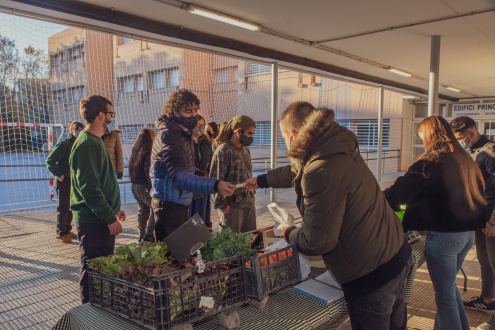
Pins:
x: 269, y: 238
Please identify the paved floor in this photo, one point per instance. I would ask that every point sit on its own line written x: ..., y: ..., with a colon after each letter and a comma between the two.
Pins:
x: 39, y: 276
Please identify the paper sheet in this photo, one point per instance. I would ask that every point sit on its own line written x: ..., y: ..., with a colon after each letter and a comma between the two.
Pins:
x: 240, y: 185
x: 323, y: 288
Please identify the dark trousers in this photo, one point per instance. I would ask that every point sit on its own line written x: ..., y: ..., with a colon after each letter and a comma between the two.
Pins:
x: 95, y: 241
x: 168, y: 217
x: 64, y: 214
x: 384, y: 308
x: 485, y: 251
x: 146, y: 218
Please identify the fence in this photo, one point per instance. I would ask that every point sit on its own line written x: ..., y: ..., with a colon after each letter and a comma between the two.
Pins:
x: 51, y: 67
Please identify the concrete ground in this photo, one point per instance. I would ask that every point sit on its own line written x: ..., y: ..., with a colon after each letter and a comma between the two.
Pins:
x: 39, y: 276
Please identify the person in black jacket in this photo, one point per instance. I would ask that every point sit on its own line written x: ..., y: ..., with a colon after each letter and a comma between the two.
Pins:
x: 139, y: 172
x: 202, y: 160
x: 482, y: 151
x: 443, y: 193
x: 172, y: 169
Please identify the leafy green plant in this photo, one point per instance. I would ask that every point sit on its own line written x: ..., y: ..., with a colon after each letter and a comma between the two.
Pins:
x: 227, y: 244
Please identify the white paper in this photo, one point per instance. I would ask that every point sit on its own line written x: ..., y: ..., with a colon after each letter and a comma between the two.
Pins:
x: 240, y: 185
x: 323, y: 288
x: 206, y: 302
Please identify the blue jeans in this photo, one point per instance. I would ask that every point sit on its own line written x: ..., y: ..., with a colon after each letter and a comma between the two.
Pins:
x: 445, y: 253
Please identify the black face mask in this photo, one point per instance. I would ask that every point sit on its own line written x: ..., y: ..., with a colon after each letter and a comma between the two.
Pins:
x: 188, y: 122
x: 210, y: 134
x: 245, y: 140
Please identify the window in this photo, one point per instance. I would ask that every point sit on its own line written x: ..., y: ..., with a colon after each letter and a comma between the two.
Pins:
x: 367, y: 132
x: 173, y: 77
x: 130, y: 84
x: 263, y: 135
x: 77, y: 93
x: 222, y: 75
x: 60, y: 96
x: 226, y: 75
x: 126, y: 40
x: 158, y: 80
x: 236, y: 74
x: 165, y: 78
x: 129, y: 133
x: 57, y: 59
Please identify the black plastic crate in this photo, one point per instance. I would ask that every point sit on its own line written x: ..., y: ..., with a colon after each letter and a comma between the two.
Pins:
x: 272, y: 271
x: 175, y: 298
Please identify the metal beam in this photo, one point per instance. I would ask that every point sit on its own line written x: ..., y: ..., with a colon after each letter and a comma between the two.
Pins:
x: 379, y: 161
x: 109, y: 15
x: 274, y: 123
x: 434, y: 75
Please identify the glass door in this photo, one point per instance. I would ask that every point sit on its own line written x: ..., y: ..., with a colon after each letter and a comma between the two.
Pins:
x: 488, y: 129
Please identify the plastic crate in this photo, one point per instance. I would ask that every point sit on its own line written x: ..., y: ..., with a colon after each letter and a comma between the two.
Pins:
x: 272, y: 271
x: 175, y: 298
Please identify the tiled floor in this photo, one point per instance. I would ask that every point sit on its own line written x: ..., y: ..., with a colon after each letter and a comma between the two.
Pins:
x: 39, y: 276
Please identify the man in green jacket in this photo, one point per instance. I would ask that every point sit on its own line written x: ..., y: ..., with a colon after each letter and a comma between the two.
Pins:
x: 95, y: 194
x: 346, y: 218
x: 57, y: 163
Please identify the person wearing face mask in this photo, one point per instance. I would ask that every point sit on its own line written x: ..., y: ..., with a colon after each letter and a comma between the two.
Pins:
x: 212, y: 130
x: 172, y: 171
x: 202, y: 161
x: 232, y: 163
x: 112, y: 141
x: 482, y: 150
x: 57, y: 164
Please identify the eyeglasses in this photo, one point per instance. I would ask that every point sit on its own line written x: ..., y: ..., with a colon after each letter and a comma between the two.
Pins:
x: 112, y: 114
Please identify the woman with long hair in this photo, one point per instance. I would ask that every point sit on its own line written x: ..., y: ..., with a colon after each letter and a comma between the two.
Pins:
x: 202, y: 160
x: 212, y: 130
x: 443, y: 193
x: 139, y: 172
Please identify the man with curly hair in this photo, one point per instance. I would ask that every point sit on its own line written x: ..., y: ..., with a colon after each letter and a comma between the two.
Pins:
x: 173, y: 175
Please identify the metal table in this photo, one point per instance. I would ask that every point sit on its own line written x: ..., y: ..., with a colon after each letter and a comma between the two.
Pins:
x: 284, y: 311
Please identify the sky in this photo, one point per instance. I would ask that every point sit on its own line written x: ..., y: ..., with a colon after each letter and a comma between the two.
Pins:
x: 26, y: 31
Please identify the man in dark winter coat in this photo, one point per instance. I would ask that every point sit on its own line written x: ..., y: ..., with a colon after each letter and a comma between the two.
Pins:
x: 172, y: 165
x: 482, y: 151
x: 345, y: 216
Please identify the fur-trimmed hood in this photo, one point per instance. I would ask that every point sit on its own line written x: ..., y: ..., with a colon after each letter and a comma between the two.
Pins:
x: 321, y: 136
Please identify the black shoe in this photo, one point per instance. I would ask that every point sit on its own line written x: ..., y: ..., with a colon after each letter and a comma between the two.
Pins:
x: 477, y: 303
x: 149, y: 238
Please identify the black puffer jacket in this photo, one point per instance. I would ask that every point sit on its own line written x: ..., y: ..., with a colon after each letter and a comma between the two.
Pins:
x: 172, y: 165
x: 203, y: 155
x: 435, y: 198
x: 143, y: 174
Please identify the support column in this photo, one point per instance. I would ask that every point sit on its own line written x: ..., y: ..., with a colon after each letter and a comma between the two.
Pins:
x: 434, y: 73
x: 274, y: 120
x: 379, y: 163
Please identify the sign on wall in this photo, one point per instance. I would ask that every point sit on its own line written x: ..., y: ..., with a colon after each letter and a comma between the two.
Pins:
x: 477, y: 110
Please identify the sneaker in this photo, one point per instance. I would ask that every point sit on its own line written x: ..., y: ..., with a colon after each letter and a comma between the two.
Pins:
x: 148, y: 238
x: 477, y: 303
x: 72, y: 235
x: 64, y: 239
